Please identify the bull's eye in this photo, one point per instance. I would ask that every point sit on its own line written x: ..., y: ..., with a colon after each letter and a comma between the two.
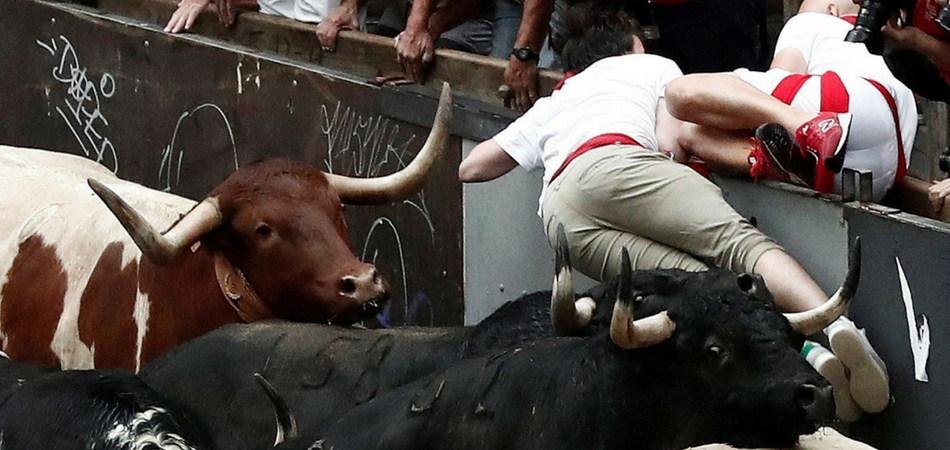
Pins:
x: 263, y: 230
x: 639, y: 298
x: 714, y: 351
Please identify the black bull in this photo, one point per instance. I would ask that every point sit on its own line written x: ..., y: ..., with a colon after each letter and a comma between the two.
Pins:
x: 714, y: 366
x: 325, y: 372
x: 42, y: 408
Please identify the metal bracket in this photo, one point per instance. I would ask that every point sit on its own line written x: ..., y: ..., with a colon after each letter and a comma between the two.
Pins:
x: 856, y: 185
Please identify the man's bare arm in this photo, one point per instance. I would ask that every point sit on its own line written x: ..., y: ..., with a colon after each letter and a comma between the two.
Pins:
x: 790, y: 59
x: 415, y: 46
x: 912, y: 38
x: 486, y: 162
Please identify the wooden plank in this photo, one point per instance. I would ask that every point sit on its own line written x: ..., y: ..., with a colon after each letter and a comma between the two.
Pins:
x: 360, y: 54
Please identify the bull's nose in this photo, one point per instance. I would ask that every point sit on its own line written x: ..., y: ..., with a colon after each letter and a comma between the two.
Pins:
x: 817, y: 402
x: 362, y: 287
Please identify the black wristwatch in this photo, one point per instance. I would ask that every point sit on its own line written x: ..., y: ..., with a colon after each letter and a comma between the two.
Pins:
x: 525, y: 54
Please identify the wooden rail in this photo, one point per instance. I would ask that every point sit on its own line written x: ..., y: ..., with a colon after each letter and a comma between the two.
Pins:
x: 360, y: 54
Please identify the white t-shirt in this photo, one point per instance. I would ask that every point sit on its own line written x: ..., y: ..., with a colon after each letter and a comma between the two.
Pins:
x: 820, y: 39
x: 613, y: 95
x: 313, y: 11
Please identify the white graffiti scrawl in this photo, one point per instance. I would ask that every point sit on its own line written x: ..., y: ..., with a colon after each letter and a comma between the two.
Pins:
x: 81, y: 104
x: 362, y: 145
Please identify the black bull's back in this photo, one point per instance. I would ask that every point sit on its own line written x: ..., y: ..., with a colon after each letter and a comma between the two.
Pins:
x: 587, y: 392
x: 324, y: 372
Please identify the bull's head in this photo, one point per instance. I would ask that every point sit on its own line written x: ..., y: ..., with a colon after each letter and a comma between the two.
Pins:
x: 730, y: 358
x: 281, y: 224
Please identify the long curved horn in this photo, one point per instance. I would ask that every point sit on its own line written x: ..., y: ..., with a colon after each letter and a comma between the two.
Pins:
x: 816, y: 319
x: 629, y: 333
x: 408, y: 181
x: 286, y: 424
x: 567, y: 315
x: 161, y: 248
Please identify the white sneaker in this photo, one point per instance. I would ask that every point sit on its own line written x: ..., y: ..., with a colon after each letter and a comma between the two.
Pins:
x: 831, y: 368
x: 867, y: 372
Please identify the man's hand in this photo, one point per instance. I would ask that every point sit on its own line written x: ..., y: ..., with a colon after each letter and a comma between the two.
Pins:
x: 414, y: 50
x: 937, y: 193
x: 901, y: 37
x: 521, y: 77
x: 184, y: 17
x: 226, y: 12
x: 344, y: 17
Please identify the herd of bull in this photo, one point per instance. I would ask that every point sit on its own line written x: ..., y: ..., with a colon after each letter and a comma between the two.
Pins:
x: 651, y: 360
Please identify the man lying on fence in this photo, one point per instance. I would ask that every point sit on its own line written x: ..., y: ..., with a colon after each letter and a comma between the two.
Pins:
x: 847, y: 110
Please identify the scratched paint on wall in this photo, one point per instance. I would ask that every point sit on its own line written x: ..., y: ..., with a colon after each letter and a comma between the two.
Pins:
x: 919, y: 335
x: 178, y: 115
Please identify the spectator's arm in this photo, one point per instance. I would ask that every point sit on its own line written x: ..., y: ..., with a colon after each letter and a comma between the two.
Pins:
x: 486, y: 162
x: 898, y: 37
x: 415, y: 45
x: 521, y: 77
x: 790, y: 59
x: 344, y: 17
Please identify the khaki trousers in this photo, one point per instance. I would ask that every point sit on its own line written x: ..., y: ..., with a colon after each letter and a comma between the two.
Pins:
x: 664, y: 213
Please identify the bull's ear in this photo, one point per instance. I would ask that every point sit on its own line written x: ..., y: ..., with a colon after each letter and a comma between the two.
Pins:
x: 753, y: 285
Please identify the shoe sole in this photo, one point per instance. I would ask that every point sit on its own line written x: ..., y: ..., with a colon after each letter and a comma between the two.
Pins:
x: 869, y: 383
x: 835, y: 162
x: 767, y: 133
x: 833, y: 370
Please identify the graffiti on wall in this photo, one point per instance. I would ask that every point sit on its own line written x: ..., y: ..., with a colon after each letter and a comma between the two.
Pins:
x: 79, y: 101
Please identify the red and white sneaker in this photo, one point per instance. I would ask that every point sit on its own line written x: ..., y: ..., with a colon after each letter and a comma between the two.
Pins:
x: 824, y: 139
x: 775, y: 156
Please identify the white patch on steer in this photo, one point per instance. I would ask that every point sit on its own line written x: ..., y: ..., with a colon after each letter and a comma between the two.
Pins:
x: 143, y: 432
x: 52, y: 186
x: 140, y: 314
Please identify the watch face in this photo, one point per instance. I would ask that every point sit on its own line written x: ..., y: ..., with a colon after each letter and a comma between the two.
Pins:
x: 525, y: 54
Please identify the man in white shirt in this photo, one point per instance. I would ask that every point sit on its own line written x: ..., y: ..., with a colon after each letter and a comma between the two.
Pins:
x: 814, y: 71
x: 597, y: 140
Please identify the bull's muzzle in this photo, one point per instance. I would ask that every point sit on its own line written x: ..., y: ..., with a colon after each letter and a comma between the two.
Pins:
x: 817, y: 402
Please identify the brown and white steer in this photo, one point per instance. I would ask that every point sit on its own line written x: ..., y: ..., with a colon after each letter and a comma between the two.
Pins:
x: 270, y: 241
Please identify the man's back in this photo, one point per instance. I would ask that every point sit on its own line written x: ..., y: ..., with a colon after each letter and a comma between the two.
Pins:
x: 820, y: 39
x: 614, y: 95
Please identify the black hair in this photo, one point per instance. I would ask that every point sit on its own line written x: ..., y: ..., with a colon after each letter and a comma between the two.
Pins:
x: 596, y: 32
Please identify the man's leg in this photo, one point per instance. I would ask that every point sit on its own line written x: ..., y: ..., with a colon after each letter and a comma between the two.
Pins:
x: 725, y: 101
x: 813, y: 155
x: 507, y: 18
x: 726, y: 152
x: 782, y: 275
x: 641, y: 193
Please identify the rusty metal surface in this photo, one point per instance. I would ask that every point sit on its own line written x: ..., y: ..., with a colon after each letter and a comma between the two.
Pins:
x: 177, y: 114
